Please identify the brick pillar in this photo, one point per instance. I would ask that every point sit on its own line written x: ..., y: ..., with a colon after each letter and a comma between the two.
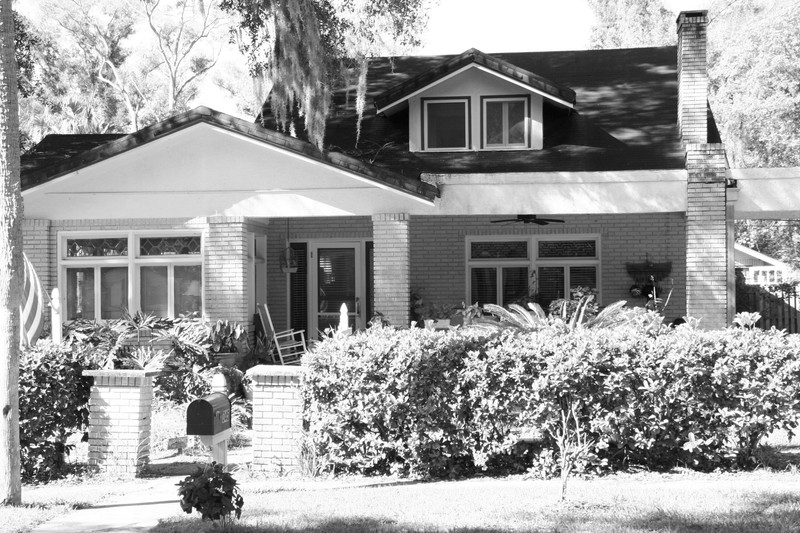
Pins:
x: 225, y: 283
x: 277, y: 417
x: 120, y: 409
x: 692, y: 76
x: 707, y: 233
x: 392, y: 267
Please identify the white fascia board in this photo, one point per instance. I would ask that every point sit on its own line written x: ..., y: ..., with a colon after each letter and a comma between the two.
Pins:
x: 525, y: 86
x: 550, y: 193
x: 767, y: 193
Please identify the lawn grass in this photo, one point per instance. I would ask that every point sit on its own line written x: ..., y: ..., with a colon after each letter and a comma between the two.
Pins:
x: 756, y: 502
x: 41, y: 503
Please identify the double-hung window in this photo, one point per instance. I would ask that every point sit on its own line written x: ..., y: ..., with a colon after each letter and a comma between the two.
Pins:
x: 445, y: 124
x: 505, y: 122
x: 504, y: 270
x: 498, y: 270
x: 102, y: 276
x: 564, y: 264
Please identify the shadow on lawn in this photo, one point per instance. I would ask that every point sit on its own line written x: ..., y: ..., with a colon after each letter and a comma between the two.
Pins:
x: 767, y: 513
x: 336, y: 525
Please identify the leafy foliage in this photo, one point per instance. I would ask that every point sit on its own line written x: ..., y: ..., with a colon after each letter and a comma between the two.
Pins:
x: 302, y: 46
x: 53, y: 398
x: 632, y: 24
x: 444, y: 404
x: 212, y: 492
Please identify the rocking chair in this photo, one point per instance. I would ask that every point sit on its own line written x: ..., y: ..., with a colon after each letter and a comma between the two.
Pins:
x: 290, y: 345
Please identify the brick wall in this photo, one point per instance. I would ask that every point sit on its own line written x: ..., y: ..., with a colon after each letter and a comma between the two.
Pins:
x: 225, y: 262
x: 120, y: 408
x: 438, y: 251
x: 302, y: 229
x: 392, y: 267
x: 692, y: 76
x: 277, y: 418
x: 225, y: 270
x: 707, y: 235
x: 37, y: 245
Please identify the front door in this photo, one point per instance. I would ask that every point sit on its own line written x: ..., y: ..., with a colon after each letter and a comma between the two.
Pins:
x: 337, y: 279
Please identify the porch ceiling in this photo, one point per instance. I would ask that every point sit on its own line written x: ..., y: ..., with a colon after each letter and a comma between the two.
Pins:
x: 207, y: 169
x: 772, y: 193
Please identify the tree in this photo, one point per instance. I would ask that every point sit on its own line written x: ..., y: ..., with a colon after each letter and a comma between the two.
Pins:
x: 303, y: 47
x: 179, y: 37
x: 754, y: 74
x: 632, y: 24
x: 116, y: 65
x: 11, y: 268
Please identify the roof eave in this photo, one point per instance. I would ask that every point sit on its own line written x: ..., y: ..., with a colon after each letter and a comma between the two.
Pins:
x: 386, y: 178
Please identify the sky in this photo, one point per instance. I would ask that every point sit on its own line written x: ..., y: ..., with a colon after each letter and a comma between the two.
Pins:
x: 516, y: 25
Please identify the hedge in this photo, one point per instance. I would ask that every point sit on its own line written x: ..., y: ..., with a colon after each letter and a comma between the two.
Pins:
x: 438, y: 404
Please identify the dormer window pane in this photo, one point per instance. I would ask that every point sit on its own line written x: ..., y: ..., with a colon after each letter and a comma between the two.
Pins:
x: 446, y: 124
x: 494, y: 122
x: 516, y: 122
x: 505, y: 122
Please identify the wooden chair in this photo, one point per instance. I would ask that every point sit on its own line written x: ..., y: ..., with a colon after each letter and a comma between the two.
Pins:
x: 290, y: 345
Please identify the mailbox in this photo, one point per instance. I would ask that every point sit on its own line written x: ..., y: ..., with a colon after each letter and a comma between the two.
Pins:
x: 209, y: 415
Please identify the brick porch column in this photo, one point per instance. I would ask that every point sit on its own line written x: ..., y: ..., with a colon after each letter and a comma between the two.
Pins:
x: 392, y: 264
x: 120, y: 408
x: 277, y: 417
x: 707, y: 233
x: 225, y: 270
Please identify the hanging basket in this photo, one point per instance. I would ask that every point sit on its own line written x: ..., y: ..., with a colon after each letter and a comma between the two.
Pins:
x: 288, y: 260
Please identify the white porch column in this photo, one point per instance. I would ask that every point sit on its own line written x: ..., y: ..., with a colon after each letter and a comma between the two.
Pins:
x: 392, y: 264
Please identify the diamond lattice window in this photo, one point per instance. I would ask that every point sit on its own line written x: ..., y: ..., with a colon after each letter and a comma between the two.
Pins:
x: 149, y: 246
x: 109, y: 247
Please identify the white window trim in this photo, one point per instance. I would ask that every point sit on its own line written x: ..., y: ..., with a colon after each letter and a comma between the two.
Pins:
x: 484, y: 122
x: 467, y: 128
x: 533, y: 262
x: 133, y: 261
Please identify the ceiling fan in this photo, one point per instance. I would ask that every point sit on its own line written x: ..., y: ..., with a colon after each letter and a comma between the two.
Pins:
x: 528, y: 219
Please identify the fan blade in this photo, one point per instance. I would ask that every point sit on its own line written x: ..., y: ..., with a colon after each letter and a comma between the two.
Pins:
x: 549, y: 220
x: 505, y: 220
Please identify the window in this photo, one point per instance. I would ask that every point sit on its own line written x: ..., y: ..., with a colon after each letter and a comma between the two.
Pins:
x: 446, y: 124
x: 101, y: 280
x: 498, y: 271
x: 504, y: 271
x: 505, y: 122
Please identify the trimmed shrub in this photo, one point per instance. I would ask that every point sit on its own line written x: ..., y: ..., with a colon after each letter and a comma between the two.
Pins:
x: 439, y: 404
x: 53, y: 398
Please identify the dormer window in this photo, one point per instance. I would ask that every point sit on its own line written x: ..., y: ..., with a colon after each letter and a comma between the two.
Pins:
x: 445, y: 124
x: 505, y: 122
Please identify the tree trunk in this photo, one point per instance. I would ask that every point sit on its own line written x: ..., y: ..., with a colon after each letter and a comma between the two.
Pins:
x: 11, y: 267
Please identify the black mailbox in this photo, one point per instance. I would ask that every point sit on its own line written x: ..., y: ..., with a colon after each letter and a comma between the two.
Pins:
x: 208, y: 415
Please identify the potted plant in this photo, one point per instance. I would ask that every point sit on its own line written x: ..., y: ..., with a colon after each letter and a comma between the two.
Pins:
x: 437, y: 316
x: 225, y: 338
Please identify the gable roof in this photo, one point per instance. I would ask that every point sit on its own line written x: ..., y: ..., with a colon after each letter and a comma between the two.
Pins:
x: 625, y: 115
x: 474, y: 57
x: 59, y: 155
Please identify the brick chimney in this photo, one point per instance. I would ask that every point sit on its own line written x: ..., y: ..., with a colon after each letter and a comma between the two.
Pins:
x: 692, y: 76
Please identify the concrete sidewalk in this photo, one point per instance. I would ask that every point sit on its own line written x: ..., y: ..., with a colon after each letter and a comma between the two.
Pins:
x: 135, y: 512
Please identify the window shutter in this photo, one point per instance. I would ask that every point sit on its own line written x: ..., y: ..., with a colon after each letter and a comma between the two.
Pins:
x: 298, y: 289
x: 369, y: 247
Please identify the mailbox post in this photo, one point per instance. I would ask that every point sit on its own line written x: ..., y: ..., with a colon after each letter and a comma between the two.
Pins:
x: 209, y: 418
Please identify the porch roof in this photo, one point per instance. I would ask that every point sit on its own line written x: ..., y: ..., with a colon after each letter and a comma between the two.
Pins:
x: 201, y: 163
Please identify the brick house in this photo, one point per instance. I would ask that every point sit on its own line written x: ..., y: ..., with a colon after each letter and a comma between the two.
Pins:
x: 205, y: 212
